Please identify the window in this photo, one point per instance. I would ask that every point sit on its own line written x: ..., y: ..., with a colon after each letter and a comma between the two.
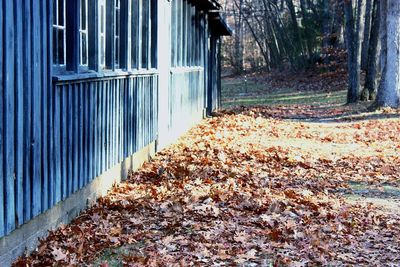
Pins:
x: 104, y: 34
x: 83, y: 33
x: 59, y: 37
x: 186, y: 34
x: 102, y: 41
x: 117, y: 24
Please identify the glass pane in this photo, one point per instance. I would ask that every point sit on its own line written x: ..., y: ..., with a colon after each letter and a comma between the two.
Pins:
x: 55, y: 51
x: 135, y: 30
x: 61, y: 12
x: 145, y: 32
x: 116, y: 51
x: 84, y: 49
x: 102, y: 51
x: 83, y: 14
x: 117, y: 22
x: 55, y: 11
x: 102, y: 18
x: 60, y: 44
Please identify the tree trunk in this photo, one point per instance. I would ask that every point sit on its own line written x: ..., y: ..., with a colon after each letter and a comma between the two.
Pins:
x: 238, y: 54
x: 350, y: 45
x: 373, y: 70
x: 367, y: 32
x: 325, y: 24
x: 353, y: 37
x: 298, y: 45
x: 305, y: 22
x: 389, y: 89
x: 337, y: 26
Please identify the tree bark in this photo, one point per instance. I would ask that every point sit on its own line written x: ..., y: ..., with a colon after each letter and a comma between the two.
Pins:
x: 367, y: 33
x: 389, y: 89
x: 373, y: 71
x: 353, y: 36
x: 325, y: 24
x: 238, y: 51
x: 350, y: 45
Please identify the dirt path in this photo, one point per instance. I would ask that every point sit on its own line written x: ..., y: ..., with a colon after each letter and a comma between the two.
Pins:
x: 251, y: 187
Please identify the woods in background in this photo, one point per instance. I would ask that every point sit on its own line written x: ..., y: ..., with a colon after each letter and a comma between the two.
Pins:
x: 300, y: 34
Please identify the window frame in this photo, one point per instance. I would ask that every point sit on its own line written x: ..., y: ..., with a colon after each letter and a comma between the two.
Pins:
x: 83, y: 32
x: 125, y: 44
x: 55, y: 28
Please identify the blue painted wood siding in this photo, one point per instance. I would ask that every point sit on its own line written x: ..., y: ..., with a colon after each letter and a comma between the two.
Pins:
x: 25, y: 117
x: 55, y: 137
x: 97, y: 124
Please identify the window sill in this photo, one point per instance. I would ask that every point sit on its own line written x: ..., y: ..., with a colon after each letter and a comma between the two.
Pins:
x: 66, y: 77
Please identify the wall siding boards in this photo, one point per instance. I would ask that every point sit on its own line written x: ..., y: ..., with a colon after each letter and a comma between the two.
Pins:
x: 58, y: 133
x: 2, y: 191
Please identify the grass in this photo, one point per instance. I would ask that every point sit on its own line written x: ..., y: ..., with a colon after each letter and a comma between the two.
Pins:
x: 239, y: 92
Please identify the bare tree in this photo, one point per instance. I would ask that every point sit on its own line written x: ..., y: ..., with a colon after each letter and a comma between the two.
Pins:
x: 389, y: 89
x: 373, y: 67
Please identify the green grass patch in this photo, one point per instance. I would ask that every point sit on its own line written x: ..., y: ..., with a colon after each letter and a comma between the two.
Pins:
x: 234, y: 94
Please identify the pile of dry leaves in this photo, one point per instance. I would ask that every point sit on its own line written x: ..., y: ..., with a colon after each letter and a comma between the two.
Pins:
x: 245, y: 188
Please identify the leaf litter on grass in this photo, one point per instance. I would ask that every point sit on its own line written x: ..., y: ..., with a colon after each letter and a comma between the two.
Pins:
x: 246, y: 188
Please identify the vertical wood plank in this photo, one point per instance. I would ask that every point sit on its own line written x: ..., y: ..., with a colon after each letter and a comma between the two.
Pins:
x: 19, y: 131
x: 125, y: 100
x: 91, y: 121
x: 9, y: 112
x: 75, y: 136
x: 50, y: 94
x: 27, y: 171
x: 64, y: 141
x: 103, y: 132
x: 86, y: 135
x: 98, y: 162
x: 36, y: 111
x: 111, y: 119
x: 69, y: 126
x: 44, y: 108
x: 82, y: 147
x: 2, y: 225
x: 96, y: 127
x: 57, y: 152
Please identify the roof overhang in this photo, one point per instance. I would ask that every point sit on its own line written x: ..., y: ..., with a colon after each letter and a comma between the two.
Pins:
x: 207, y: 4
x: 218, y: 24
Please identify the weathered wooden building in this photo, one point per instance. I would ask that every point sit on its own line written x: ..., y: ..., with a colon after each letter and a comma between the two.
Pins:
x: 89, y: 89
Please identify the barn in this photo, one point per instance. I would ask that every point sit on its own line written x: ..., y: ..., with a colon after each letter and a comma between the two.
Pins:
x: 89, y: 89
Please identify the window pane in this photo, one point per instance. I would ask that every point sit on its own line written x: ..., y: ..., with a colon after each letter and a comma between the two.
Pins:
x: 145, y: 33
x: 117, y: 51
x: 102, y: 51
x: 84, y: 49
x: 117, y: 31
x: 61, y: 12
x: 60, y: 44
x: 83, y: 15
x: 55, y: 11
x: 55, y: 51
x: 135, y: 33
x: 102, y: 18
x: 117, y: 22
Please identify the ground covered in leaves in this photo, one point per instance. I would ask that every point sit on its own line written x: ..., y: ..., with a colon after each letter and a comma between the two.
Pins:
x: 250, y: 187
